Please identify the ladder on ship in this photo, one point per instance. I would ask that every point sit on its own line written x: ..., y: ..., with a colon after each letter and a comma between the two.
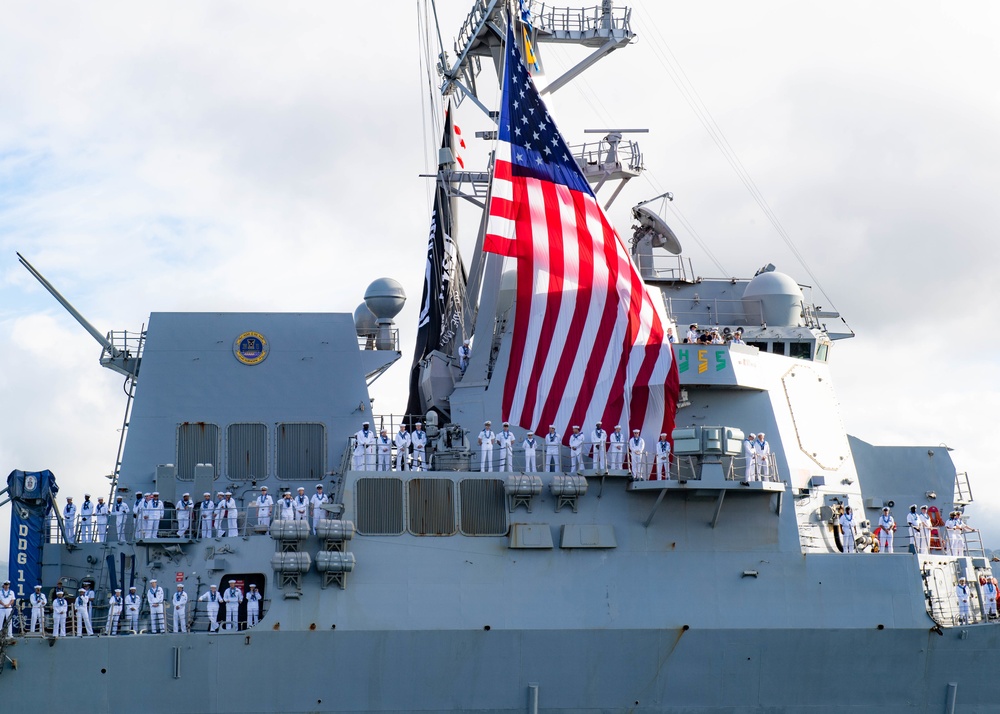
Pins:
x: 131, y: 380
x: 974, y: 543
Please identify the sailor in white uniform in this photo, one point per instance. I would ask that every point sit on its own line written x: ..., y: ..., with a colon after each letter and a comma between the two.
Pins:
x: 925, y: 530
x: 100, y: 519
x: 887, y: 527
x: 286, y: 507
x: 530, y: 446
x: 232, y: 597
x: 990, y: 598
x: 486, y: 440
x: 616, y: 449
x: 576, y: 444
x: 419, y: 441
x: 60, y: 608
x: 206, y: 514
x: 637, y: 455
x: 956, y: 528
x: 121, y: 512
x: 599, y: 446
x: 763, y: 452
x: 317, y: 501
x: 86, y: 519
x: 7, y: 599
x: 157, y: 618
x: 253, y: 606
x: 179, y: 603
x: 80, y: 606
x: 301, y: 505
x: 847, y: 531
x: 38, y: 601
x: 383, y: 449
x: 663, y: 458
x: 505, y: 443
x: 914, y: 525
x: 69, y: 520
x: 184, y: 510
x: 159, y: 508
x: 116, y: 604
x: 264, y: 504
x: 553, y: 446
x: 221, y: 515
x: 964, y: 594
x: 212, y: 600
x: 750, y: 458
x: 138, y: 526
x: 402, y: 441
x: 133, y: 603
x: 364, y: 449
x: 232, y: 515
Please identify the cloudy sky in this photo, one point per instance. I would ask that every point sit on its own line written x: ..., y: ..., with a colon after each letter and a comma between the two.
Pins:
x: 262, y: 156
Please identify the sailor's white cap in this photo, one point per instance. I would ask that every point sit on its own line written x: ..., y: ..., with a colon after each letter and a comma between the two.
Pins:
x: 153, y: 580
x: 156, y: 493
x: 552, y: 426
x: 232, y: 582
x: 506, y: 423
x: 751, y: 435
x: 70, y: 498
x: 663, y: 433
x: 618, y: 426
x: 487, y: 422
x: 531, y: 433
x: 263, y: 488
x: 213, y: 586
x: 252, y: 585
x: 288, y: 493
x: 117, y: 590
x: 60, y: 592
x: 186, y: 494
x: 207, y: 494
x: 598, y: 422
x: 301, y: 489
x: 83, y: 590
x: 635, y: 431
x: 419, y: 423
x: 923, y: 508
x: 760, y: 433
x: 37, y: 587
x: 319, y: 485
x: 885, y: 508
x: 364, y: 423
x: 131, y: 587
x: 180, y: 585
x: 961, y: 580
x: 576, y: 428
x: 86, y: 495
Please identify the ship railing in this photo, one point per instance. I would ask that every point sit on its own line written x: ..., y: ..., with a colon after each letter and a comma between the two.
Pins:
x: 687, y: 467
x: 710, y: 312
x: 561, y: 20
x: 665, y: 267
x: 379, y: 338
x: 604, y: 153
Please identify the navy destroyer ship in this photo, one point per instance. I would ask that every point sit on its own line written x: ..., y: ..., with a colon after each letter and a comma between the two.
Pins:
x: 722, y: 582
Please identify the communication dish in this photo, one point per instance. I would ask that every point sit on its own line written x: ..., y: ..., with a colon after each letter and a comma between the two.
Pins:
x: 656, y: 229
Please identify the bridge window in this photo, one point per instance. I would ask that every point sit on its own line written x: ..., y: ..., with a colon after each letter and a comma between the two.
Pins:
x: 799, y: 349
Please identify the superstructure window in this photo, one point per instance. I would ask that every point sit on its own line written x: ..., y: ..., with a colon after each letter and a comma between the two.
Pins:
x: 246, y: 452
x: 301, y: 450
x: 197, y: 443
x: 799, y: 349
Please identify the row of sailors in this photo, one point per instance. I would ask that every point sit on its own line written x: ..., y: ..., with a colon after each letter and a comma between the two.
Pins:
x: 919, y: 525
x: 124, y: 610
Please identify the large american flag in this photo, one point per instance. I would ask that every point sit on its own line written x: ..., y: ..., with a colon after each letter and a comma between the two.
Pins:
x: 589, y: 337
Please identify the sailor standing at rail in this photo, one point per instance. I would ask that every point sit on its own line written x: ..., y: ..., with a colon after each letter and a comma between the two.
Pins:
x: 576, y: 444
x: 69, y: 520
x: 847, y: 532
x: 402, y: 441
x: 419, y: 440
x: 925, y: 529
x: 38, y: 602
x: 179, y: 603
x: 763, y: 451
x: 137, y: 524
x: 232, y: 513
x: 506, y: 441
x: 86, y: 519
x: 157, y: 620
x: 663, y: 458
x: 913, y: 523
x: 205, y: 514
x: 116, y: 603
x: 159, y: 508
x: 253, y: 606
x: 220, y: 515
x: 364, y: 449
x: 530, y: 446
x: 7, y: 599
x: 486, y: 440
x: 60, y: 608
x: 317, y: 501
x: 964, y: 595
x: 887, y: 526
x: 636, y: 455
x: 121, y: 511
x: 301, y: 505
x: 383, y: 448
x: 184, y: 510
x: 616, y: 449
x: 286, y: 507
x: 101, y: 519
x: 599, y: 444
x: 81, y: 606
x: 750, y: 458
x: 232, y: 597
x: 132, y: 605
x: 990, y: 598
x: 553, y: 444
x: 212, y: 598
x: 264, y: 504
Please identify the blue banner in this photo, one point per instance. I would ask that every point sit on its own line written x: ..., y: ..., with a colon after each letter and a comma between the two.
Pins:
x: 31, y: 498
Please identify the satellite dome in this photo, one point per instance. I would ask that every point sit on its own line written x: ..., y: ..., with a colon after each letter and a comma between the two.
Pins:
x: 364, y: 321
x: 774, y: 299
x: 385, y: 298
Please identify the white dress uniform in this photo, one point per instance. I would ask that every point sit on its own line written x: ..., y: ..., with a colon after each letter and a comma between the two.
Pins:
x: 133, y: 603
x: 60, y: 608
x: 233, y: 596
x: 763, y: 453
x: 663, y: 458
x: 486, y: 440
x: 301, y: 505
x: 206, y: 514
x: 990, y: 599
x: 286, y: 509
x: 616, y: 449
x: 156, y: 511
x: 221, y: 515
x: 383, y: 452
x: 925, y: 530
x: 318, y: 514
x: 38, y: 602
x: 69, y: 522
x: 7, y: 599
x: 636, y: 456
x: 530, y: 446
x: 964, y: 594
x: 887, y: 527
x: 100, y: 520
x: 553, y: 445
x: 264, y: 504
x: 956, y: 541
x: 364, y: 449
x: 86, y: 520
x: 82, y: 609
x: 179, y: 602
x: 418, y: 439
x: 121, y: 511
x: 914, y: 525
x: 253, y: 606
x: 402, y: 441
x: 138, y: 525
x: 116, y: 604
x: 212, y: 600
x: 505, y: 443
x: 184, y: 510
x: 847, y: 532
x: 157, y: 620
x: 750, y: 457
x: 232, y: 516
x: 599, y: 445
x: 576, y: 443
